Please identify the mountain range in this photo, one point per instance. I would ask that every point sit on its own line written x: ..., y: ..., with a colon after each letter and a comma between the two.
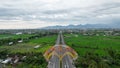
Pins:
x: 86, y: 26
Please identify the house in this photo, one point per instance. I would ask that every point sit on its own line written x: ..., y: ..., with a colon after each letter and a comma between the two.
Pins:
x: 10, y: 43
x: 37, y: 46
x: 20, y: 41
x: 19, y: 33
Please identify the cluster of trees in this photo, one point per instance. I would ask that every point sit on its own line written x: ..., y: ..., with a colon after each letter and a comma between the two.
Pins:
x: 6, y: 41
x: 3, y: 54
x: 33, y: 60
x: 93, y: 60
x: 114, y: 56
x: 26, y: 60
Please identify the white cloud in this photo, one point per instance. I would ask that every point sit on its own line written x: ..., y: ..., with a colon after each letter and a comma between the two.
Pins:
x: 108, y: 15
x: 59, y: 12
x: 19, y: 24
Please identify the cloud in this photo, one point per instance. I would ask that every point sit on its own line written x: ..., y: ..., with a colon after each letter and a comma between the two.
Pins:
x: 59, y: 12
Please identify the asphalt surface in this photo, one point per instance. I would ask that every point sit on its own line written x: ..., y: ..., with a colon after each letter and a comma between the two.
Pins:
x: 56, y: 61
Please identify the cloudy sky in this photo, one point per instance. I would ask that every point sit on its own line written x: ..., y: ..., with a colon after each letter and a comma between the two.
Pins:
x: 41, y: 13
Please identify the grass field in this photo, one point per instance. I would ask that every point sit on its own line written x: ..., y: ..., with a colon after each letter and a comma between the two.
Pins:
x: 83, y: 44
x: 44, y: 42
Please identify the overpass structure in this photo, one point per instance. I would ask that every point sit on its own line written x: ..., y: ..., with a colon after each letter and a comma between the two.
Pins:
x: 60, y: 55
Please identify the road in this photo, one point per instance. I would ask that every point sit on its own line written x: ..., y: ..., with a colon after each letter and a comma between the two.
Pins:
x: 59, y: 58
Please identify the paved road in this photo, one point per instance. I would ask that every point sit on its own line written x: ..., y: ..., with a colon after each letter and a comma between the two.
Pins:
x: 56, y: 61
x: 67, y: 62
x: 58, y: 40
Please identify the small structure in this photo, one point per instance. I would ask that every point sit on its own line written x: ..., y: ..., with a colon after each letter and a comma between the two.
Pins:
x: 10, y: 43
x: 37, y: 46
x: 19, y: 33
x: 20, y: 41
x: 8, y: 60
